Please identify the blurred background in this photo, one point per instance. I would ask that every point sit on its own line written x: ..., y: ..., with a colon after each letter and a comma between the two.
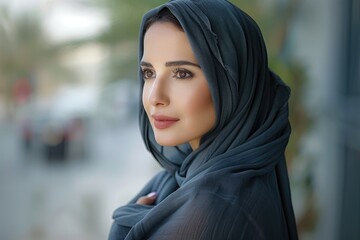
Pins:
x: 70, y: 148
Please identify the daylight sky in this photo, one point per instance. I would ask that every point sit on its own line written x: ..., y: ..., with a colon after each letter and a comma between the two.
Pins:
x: 62, y: 19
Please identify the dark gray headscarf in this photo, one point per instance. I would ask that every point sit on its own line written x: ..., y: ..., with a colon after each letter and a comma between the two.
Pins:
x: 235, y: 185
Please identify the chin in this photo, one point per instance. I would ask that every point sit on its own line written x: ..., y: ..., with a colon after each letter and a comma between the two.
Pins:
x: 166, y: 142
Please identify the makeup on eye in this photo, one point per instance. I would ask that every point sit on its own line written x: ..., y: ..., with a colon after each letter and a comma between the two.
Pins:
x: 182, y: 73
x: 148, y: 71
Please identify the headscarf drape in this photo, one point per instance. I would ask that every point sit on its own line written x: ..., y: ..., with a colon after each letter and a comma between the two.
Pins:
x: 235, y: 185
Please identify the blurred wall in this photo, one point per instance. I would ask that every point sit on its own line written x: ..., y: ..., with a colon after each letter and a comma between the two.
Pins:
x: 326, y: 38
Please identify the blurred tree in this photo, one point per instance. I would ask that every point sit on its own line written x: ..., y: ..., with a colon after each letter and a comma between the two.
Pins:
x: 121, y: 35
x: 24, y: 51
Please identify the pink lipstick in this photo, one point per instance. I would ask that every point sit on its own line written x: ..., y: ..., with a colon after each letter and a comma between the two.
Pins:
x: 162, y: 122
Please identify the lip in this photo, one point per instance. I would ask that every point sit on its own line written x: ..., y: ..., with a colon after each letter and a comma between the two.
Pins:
x: 162, y: 121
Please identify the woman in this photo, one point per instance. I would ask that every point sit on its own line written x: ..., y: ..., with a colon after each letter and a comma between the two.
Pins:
x: 216, y: 119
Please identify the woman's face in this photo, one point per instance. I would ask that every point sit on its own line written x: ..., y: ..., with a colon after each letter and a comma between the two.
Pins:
x: 176, y: 95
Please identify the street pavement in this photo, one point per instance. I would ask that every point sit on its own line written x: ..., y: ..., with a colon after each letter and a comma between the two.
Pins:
x: 74, y: 199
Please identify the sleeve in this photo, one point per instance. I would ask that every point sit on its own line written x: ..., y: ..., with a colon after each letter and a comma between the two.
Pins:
x: 162, y: 183
x: 209, y: 217
x: 118, y: 232
x: 126, y: 216
x: 151, y: 186
x: 203, y: 214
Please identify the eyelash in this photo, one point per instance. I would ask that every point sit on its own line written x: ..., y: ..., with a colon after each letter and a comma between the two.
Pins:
x: 188, y: 74
x: 176, y: 72
x: 147, y: 70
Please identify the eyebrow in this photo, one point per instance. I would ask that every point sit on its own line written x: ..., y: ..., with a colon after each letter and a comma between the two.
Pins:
x: 181, y: 63
x: 171, y: 64
x: 146, y: 64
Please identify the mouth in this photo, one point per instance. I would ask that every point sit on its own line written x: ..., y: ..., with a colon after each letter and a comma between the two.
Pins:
x: 162, y: 122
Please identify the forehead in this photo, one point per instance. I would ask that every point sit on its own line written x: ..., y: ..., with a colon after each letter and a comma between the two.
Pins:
x: 164, y: 40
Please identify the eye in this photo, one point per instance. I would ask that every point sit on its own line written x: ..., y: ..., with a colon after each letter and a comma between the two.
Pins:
x: 148, y: 73
x: 181, y: 73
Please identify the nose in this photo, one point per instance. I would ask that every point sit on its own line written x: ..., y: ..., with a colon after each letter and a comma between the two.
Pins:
x: 158, y: 94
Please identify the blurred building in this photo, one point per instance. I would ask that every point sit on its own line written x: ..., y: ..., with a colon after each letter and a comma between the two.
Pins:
x: 327, y: 39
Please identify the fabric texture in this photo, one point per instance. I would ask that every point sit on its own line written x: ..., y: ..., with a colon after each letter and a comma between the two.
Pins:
x: 235, y: 185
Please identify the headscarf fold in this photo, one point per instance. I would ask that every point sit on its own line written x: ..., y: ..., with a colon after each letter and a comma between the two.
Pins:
x: 235, y: 184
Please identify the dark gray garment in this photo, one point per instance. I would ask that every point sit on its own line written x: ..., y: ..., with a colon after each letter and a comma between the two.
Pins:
x: 235, y: 185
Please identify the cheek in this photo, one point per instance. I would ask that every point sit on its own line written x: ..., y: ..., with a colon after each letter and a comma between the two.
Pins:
x: 199, y: 103
x: 200, y: 107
